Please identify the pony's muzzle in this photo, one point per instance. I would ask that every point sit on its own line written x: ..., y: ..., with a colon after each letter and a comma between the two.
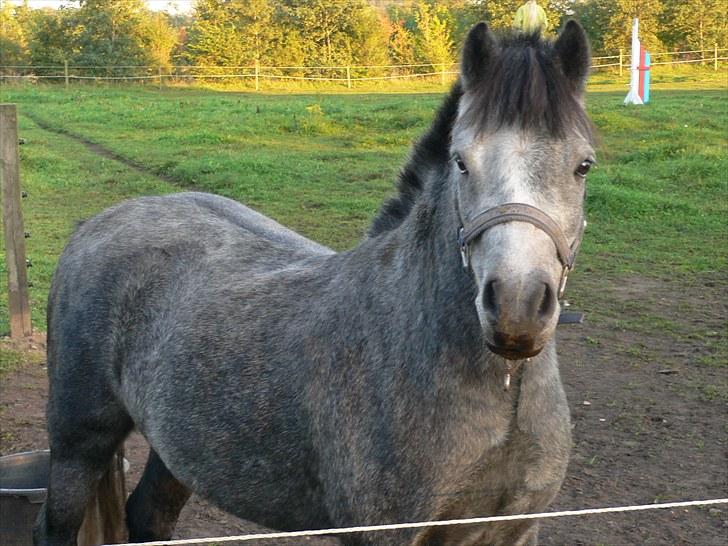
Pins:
x: 519, y: 316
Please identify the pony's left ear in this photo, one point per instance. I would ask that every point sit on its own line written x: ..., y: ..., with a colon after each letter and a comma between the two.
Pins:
x: 572, y: 49
x: 478, y: 52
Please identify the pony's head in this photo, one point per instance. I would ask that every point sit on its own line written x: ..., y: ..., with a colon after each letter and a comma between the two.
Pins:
x: 521, y: 147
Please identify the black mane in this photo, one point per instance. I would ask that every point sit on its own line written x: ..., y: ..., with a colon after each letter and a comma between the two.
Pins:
x: 431, y: 150
x: 524, y: 87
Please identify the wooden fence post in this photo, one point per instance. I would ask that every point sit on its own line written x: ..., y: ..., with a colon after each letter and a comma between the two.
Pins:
x: 65, y: 71
x: 348, y: 77
x: 257, y: 75
x: 442, y: 74
x: 18, y: 302
x: 715, y: 56
x: 159, y: 72
x: 621, y: 56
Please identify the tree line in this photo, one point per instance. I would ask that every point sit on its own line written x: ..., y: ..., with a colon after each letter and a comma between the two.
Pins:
x: 284, y: 33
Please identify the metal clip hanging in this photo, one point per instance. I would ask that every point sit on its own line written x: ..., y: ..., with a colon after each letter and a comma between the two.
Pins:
x: 562, y: 282
x: 507, y: 377
x: 464, y: 248
x: 509, y: 372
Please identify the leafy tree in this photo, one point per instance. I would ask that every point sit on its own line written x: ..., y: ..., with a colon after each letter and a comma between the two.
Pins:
x: 317, y: 24
x: 214, y: 40
x: 336, y: 32
x: 13, y: 37
x: 100, y: 32
x: 402, y: 15
x: 291, y: 50
x: 434, y: 35
x: 619, y: 34
x: 697, y: 24
x: 369, y: 37
x: 558, y: 12
x: 112, y: 33
x: 239, y: 32
x: 160, y: 38
x: 595, y: 15
x: 322, y: 24
x: 53, y: 36
x: 326, y: 32
x: 181, y: 25
x: 462, y: 15
x: 500, y: 13
x: 401, y: 44
x: 254, y: 20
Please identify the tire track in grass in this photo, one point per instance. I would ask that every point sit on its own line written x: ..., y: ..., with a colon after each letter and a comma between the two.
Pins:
x: 107, y: 153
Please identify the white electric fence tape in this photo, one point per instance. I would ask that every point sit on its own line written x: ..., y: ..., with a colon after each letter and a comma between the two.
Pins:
x: 420, y: 524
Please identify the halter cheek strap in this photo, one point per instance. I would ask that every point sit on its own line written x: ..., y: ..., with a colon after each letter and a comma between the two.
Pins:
x: 521, y: 212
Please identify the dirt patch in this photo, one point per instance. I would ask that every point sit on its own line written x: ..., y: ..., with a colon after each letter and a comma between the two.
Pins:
x: 647, y: 381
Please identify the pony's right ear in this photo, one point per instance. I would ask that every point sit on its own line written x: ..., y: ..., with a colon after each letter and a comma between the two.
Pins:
x: 478, y: 51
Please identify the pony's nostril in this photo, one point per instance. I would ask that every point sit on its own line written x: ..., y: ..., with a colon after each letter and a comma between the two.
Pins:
x: 490, y: 302
x: 548, y: 301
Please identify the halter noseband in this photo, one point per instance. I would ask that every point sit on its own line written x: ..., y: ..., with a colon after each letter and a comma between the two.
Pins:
x: 521, y: 212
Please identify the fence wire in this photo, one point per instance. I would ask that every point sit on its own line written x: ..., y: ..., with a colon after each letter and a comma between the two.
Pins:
x: 338, y: 74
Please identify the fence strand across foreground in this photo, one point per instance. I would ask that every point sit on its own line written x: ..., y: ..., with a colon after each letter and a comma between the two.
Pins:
x: 337, y: 74
x: 442, y: 523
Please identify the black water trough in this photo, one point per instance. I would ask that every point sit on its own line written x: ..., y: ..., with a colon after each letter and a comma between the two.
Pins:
x: 23, y: 483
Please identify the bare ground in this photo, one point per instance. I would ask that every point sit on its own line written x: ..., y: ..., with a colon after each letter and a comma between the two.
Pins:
x: 647, y: 380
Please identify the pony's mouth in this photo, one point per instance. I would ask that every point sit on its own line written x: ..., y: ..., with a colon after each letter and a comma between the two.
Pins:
x: 515, y: 346
x: 514, y: 353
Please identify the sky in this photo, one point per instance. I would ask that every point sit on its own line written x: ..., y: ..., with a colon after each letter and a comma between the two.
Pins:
x: 172, y: 6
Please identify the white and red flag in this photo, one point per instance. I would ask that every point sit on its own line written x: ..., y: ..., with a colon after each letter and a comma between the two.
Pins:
x: 639, y: 82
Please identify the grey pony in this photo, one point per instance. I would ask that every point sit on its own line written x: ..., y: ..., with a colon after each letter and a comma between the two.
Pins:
x: 301, y: 388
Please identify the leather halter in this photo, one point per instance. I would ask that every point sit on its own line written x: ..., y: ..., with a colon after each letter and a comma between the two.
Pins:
x: 521, y: 212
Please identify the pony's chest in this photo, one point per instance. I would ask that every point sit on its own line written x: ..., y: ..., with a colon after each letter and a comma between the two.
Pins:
x: 491, y: 445
x: 477, y: 427
x: 498, y: 480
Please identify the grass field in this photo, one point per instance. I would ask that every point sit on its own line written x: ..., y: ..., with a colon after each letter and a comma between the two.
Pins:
x: 322, y: 164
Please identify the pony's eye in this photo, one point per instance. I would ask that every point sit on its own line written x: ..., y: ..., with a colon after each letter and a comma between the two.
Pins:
x: 584, y: 167
x: 460, y: 163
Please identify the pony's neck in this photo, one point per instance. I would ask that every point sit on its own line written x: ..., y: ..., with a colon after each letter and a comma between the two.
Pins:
x: 413, y: 241
x: 429, y: 238
x: 412, y: 277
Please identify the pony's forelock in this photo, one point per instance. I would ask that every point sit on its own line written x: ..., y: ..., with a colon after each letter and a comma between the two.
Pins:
x: 524, y: 87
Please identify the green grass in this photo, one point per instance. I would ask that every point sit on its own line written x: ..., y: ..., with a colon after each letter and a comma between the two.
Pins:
x: 65, y: 184
x: 661, y: 189
x: 323, y: 163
